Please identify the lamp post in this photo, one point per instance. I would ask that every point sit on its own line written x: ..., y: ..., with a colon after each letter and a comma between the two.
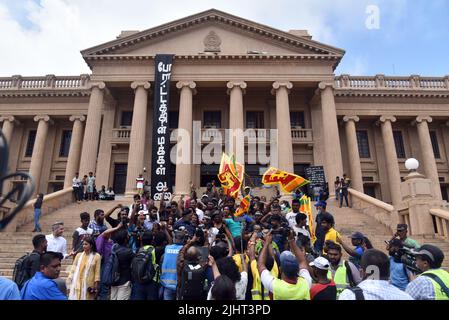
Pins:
x: 412, y: 166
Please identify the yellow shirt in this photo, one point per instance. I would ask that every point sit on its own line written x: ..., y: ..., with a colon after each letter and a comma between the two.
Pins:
x: 238, y: 261
x: 331, y: 235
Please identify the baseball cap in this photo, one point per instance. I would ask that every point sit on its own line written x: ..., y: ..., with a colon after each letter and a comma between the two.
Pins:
x: 357, y: 235
x: 320, y: 263
x: 321, y: 204
x: 401, y: 227
x: 258, y: 213
x: 432, y: 252
x: 289, y: 264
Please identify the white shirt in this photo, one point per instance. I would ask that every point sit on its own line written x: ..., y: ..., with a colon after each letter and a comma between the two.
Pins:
x: 200, y: 214
x: 376, y: 290
x: 76, y: 182
x: 267, y: 279
x: 291, y: 218
x: 301, y: 230
x: 58, y: 244
x: 240, y: 287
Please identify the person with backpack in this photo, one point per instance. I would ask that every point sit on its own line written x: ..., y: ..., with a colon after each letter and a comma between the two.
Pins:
x: 27, y: 266
x: 192, y: 271
x: 118, y: 266
x: 143, y: 270
x: 169, y: 276
x: 433, y: 282
x: 37, y: 212
x: 344, y: 273
x: 375, y: 285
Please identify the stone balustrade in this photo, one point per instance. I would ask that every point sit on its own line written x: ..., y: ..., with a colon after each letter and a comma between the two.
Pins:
x: 412, y: 82
x: 442, y: 222
x: 47, y: 82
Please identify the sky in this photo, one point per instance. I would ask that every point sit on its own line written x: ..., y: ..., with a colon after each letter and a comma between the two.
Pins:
x: 392, y: 37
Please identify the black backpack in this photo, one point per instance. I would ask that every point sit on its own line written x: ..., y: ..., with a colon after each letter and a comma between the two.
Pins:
x: 194, y: 284
x: 142, y: 268
x: 21, y: 274
x: 111, y: 271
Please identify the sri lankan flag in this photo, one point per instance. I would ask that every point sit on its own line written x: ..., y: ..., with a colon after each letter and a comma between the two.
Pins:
x: 306, y: 208
x: 287, y: 181
x: 230, y: 175
x: 244, y: 206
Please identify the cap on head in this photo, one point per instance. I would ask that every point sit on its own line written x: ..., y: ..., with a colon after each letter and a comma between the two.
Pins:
x: 401, y: 227
x: 432, y: 253
x: 357, y: 236
x: 289, y: 264
x: 321, y: 204
x: 320, y: 263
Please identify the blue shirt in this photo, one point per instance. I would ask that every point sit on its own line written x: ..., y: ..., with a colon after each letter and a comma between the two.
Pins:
x: 356, y: 260
x: 398, y: 274
x: 41, y: 288
x: 8, y: 290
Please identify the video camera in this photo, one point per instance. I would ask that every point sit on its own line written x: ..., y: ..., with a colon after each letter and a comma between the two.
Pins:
x: 408, y: 258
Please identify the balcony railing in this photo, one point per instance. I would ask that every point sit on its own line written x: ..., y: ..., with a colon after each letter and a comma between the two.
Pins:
x: 398, y: 83
x: 123, y: 135
x: 48, y: 82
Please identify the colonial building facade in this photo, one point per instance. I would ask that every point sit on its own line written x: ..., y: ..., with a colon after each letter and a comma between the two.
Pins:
x: 228, y: 72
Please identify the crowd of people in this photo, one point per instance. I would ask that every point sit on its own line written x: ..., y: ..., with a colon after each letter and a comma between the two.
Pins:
x: 197, y: 249
x: 86, y: 189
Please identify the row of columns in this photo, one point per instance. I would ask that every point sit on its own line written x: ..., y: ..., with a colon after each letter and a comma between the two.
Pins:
x: 394, y: 177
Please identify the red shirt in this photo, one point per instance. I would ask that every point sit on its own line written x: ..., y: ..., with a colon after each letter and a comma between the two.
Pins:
x: 323, y: 291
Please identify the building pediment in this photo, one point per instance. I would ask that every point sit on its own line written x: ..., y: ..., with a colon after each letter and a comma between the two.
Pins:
x: 212, y: 33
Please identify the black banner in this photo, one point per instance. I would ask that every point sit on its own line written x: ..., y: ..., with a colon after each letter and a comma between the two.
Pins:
x: 161, y: 165
x: 316, y: 176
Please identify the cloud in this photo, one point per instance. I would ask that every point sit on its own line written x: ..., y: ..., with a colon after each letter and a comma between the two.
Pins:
x: 45, y: 36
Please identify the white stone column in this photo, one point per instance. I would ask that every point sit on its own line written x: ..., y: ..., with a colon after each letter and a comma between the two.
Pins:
x: 73, y: 158
x: 394, y: 176
x: 92, y: 132
x: 37, y: 157
x: 428, y: 157
x: 283, y: 126
x: 236, y: 90
x: 185, y: 124
x: 8, y: 127
x: 353, y: 153
x: 331, y: 138
x: 138, y: 132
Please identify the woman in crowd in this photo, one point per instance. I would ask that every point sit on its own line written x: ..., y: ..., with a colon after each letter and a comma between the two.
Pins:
x: 83, y: 281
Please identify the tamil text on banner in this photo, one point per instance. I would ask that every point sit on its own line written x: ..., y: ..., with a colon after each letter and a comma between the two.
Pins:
x: 244, y: 206
x: 161, y: 166
x: 230, y: 175
x: 287, y: 181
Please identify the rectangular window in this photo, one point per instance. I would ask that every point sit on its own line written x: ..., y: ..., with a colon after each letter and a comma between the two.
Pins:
x: 254, y: 120
x: 363, y: 144
x: 399, y: 144
x: 435, y: 147
x: 212, y: 119
x: 30, y: 143
x: 173, y: 119
x: 297, y: 119
x: 127, y: 119
x: 65, y: 143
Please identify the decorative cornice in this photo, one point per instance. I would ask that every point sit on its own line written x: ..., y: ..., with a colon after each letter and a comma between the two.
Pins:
x: 81, y: 118
x: 281, y: 84
x: 145, y: 84
x: 384, y: 119
x: 187, y: 84
x: 44, y: 94
x: 351, y: 118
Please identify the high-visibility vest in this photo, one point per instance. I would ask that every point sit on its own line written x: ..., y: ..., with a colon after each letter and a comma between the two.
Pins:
x: 444, y: 276
x: 169, y: 276
x: 256, y: 291
x: 340, y: 278
x: 283, y: 290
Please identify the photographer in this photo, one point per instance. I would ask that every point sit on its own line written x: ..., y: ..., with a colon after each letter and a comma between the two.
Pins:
x: 169, y: 278
x: 433, y: 283
x: 399, y: 274
x: 401, y: 233
x: 186, y: 222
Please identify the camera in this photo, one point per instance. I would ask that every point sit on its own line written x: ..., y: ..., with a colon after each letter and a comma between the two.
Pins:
x: 408, y: 258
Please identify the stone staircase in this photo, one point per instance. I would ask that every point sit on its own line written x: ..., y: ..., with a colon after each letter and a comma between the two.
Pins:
x: 13, y: 245
x: 348, y: 220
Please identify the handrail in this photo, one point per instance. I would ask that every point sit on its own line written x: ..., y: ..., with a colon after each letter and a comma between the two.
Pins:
x: 442, y: 221
x: 413, y: 82
x: 47, y: 82
x: 440, y: 213
x: 371, y: 200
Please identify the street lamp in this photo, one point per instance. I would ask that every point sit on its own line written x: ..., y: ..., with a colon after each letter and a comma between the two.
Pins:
x: 412, y: 164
